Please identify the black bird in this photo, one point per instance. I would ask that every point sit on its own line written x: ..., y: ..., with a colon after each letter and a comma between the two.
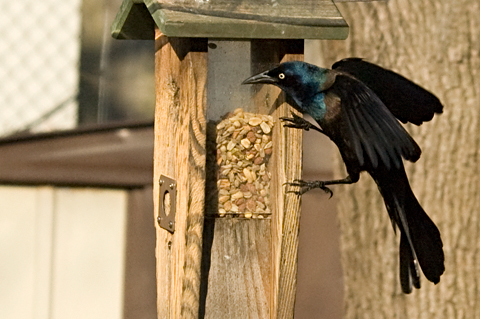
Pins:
x: 357, y: 105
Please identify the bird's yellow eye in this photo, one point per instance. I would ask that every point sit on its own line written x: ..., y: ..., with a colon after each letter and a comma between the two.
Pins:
x: 281, y: 76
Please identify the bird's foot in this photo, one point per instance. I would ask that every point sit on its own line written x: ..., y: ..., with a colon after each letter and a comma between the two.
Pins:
x: 306, y: 186
x: 298, y: 122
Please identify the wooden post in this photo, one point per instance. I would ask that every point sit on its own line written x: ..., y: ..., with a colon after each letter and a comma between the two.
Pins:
x: 248, y: 265
x: 286, y: 166
x: 180, y: 75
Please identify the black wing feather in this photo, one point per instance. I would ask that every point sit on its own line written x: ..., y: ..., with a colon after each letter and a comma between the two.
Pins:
x: 357, y: 146
x: 386, y: 154
x: 362, y: 135
x: 374, y: 134
x: 406, y: 100
x: 408, y: 150
x: 392, y: 152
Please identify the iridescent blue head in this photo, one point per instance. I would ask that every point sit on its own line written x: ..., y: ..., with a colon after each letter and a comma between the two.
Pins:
x: 302, y: 81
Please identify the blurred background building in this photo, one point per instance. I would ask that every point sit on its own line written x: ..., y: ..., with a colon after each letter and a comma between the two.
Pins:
x: 78, y: 249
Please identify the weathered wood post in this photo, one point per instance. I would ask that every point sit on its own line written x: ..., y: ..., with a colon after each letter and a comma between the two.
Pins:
x: 227, y: 233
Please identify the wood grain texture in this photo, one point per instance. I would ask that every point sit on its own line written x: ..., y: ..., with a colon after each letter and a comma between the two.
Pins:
x: 286, y: 165
x: 289, y: 12
x: 180, y: 126
x: 239, y: 278
x: 437, y: 45
x: 251, y: 265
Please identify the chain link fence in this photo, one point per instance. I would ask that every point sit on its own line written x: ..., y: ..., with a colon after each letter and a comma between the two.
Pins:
x: 39, y: 57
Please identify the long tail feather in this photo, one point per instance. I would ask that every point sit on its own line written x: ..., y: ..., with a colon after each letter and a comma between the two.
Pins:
x: 409, y: 271
x: 420, y: 242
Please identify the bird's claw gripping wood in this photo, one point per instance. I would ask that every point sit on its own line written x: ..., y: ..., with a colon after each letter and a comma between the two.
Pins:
x: 299, y: 122
x: 306, y: 186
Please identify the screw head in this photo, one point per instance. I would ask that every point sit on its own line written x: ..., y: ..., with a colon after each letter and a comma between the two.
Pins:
x: 170, y: 224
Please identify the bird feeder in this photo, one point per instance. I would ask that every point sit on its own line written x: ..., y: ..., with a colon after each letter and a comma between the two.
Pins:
x: 227, y: 232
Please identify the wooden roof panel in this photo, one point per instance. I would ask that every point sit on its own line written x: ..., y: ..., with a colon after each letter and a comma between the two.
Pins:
x: 261, y: 19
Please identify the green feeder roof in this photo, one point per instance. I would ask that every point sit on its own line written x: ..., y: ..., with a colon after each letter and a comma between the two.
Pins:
x: 234, y: 19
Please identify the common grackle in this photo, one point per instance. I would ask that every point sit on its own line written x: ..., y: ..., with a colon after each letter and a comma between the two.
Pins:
x: 357, y: 105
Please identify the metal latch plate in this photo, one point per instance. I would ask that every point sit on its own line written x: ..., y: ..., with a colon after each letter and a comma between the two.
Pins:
x: 167, y: 201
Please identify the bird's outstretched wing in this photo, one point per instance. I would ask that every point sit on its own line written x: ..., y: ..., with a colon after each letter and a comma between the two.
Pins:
x: 406, y: 100
x: 374, y: 135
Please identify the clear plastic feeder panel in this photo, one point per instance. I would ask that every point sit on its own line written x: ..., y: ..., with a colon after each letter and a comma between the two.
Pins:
x: 239, y: 137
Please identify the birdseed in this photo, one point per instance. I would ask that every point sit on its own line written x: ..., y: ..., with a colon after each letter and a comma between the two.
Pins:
x: 238, y: 150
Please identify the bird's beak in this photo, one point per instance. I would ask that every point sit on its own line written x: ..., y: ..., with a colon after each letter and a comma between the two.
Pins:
x: 261, y: 78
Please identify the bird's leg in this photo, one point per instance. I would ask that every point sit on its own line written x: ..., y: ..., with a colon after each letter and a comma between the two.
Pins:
x: 306, y: 186
x: 298, y: 122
